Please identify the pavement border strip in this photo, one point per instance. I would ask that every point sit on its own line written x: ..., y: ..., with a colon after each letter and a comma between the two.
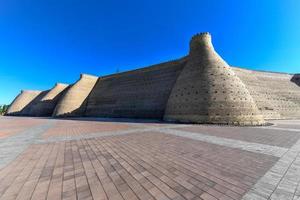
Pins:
x: 247, y: 146
x: 140, y: 129
x: 297, y: 193
x: 279, y: 128
x: 12, y: 146
x: 282, y: 181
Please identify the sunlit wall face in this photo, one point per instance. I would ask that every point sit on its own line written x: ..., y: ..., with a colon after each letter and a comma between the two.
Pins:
x: 43, y: 42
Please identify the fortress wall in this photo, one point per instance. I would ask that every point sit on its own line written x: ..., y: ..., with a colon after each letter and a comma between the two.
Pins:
x: 296, y: 79
x: 46, y: 105
x: 208, y: 90
x: 140, y: 93
x: 73, y: 102
x: 21, y: 102
x: 277, y: 95
x: 27, y: 109
x: 199, y: 88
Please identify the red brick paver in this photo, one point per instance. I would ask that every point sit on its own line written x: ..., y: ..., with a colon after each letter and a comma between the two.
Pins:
x: 11, y: 126
x: 135, y: 166
x: 76, y: 127
x: 280, y: 138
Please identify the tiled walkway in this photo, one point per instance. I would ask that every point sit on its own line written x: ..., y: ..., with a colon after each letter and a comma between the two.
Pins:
x: 16, y: 125
x: 74, y: 159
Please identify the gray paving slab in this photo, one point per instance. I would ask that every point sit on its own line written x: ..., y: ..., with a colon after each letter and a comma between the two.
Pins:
x: 247, y: 146
x: 138, y: 129
x: 12, y: 146
x: 282, y: 181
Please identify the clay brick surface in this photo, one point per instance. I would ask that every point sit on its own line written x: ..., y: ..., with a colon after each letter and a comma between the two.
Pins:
x: 208, y: 90
x: 46, y: 105
x: 275, y: 94
x: 140, y: 93
x: 199, y: 88
x: 73, y: 102
x: 73, y: 128
x: 132, y: 167
x: 263, y: 136
x: 11, y: 126
x: 148, y: 162
x: 22, y: 102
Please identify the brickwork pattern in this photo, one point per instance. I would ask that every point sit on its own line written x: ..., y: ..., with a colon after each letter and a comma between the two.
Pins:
x: 11, y: 126
x: 198, y: 88
x: 28, y: 109
x: 73, y: 102
x: 47, y: 103
x: 140, y: 160
x: 75, y: 128
x: 208, y: 91
x: 275, y: 94
x: 21, y: 102
x: 137, y: 94
x: 134, y: 167
x: 282, y: 138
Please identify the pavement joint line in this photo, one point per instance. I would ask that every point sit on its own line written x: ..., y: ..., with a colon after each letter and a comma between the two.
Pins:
x: 281, y: 181
x: 12, y: 146
x: 278, y: 128
x: 247, y: 146
x: 103, y: 134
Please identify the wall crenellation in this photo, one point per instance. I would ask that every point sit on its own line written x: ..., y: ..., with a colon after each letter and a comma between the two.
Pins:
x: 197, y: 35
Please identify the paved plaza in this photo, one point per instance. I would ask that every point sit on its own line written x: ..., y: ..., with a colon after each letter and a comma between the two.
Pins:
x: 54, y: 159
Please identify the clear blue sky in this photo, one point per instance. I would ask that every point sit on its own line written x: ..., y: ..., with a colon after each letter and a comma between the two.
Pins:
x: 48, y: 41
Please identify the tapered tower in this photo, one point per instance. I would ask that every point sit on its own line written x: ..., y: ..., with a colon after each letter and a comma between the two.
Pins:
x: 208, y: 91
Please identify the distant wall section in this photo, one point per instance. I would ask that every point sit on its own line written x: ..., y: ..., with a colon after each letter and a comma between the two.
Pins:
x: 296, y: 79
x: 28, y: 109
x: 140, y: 93
x: 198, y: 88
x: 46, y: 105
x: 73, y: 102
x: 277, y: 95
x: 21, y: 102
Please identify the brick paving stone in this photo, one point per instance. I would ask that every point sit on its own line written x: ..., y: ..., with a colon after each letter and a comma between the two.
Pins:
x: 188, y: 171
x: 135, y: 166
x: 10, y: 126
x: 11, y: 147
x: 287, y: 124
x: 265, y: 135
x: 55, y: 185
x: 75, y: 128
x: 282, y: 180
x: 233, y: 143
x: 146, y: 161
x: 12, y: 182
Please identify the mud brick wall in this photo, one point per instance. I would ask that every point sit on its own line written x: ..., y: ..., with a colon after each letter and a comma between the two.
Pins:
x: 198, y: 88
x: 73, y: 102
x: 47, y: 104
x: 208, y: 90
x: 276, y: 94
x: 21, y: 102
x: 139, y: 94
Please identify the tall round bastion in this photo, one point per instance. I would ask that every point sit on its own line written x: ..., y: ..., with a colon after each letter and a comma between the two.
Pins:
x: 208, y: 90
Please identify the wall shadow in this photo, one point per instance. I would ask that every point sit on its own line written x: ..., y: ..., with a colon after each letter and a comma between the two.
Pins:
x: 296, y: 79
